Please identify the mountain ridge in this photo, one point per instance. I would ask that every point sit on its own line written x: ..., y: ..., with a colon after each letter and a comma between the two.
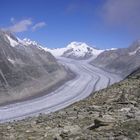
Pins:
x: 115, y: 60
x: 122, y: 61
x: 74, y: 50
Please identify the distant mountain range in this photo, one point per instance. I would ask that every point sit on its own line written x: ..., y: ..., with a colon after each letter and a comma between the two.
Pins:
x: 76, y: 50
x: 121, y: 61
x: 25, y: 67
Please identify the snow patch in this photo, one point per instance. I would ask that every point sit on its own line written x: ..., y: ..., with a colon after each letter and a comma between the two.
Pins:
x: 12, y: 42
x: 125, y: 109
x: 11, y: 60
x: 134, y: 52
x: 111, y: 49
x: 29, y: 42
x: 56, y: 52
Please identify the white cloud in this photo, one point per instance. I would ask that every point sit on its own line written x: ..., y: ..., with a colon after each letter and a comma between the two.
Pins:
x: 122, y: 12
x: 20, y: 26
x: 23, y: 25
x: 38, y: 25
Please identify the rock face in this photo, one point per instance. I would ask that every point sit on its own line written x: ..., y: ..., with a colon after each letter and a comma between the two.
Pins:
x: 122, y: 61
x: 109, y: 114
x: 25, y: 69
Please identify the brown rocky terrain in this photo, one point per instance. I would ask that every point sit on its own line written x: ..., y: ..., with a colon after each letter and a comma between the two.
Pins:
x: 110, y: 114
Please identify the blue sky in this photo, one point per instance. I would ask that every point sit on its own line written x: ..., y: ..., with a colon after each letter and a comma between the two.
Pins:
x: 55, y: 23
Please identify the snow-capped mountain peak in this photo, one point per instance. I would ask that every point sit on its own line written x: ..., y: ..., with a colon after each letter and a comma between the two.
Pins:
x: 15, y: 41
x: 78, y: 46
x: 76, y: 50
x: 81, y: 48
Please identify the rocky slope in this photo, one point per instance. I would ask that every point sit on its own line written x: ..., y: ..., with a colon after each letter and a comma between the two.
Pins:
x: 109, y: 114
x: 122, y: 61
x: 26, y: 69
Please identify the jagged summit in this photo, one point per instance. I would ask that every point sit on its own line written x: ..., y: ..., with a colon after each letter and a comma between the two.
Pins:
x: 30, y: 42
